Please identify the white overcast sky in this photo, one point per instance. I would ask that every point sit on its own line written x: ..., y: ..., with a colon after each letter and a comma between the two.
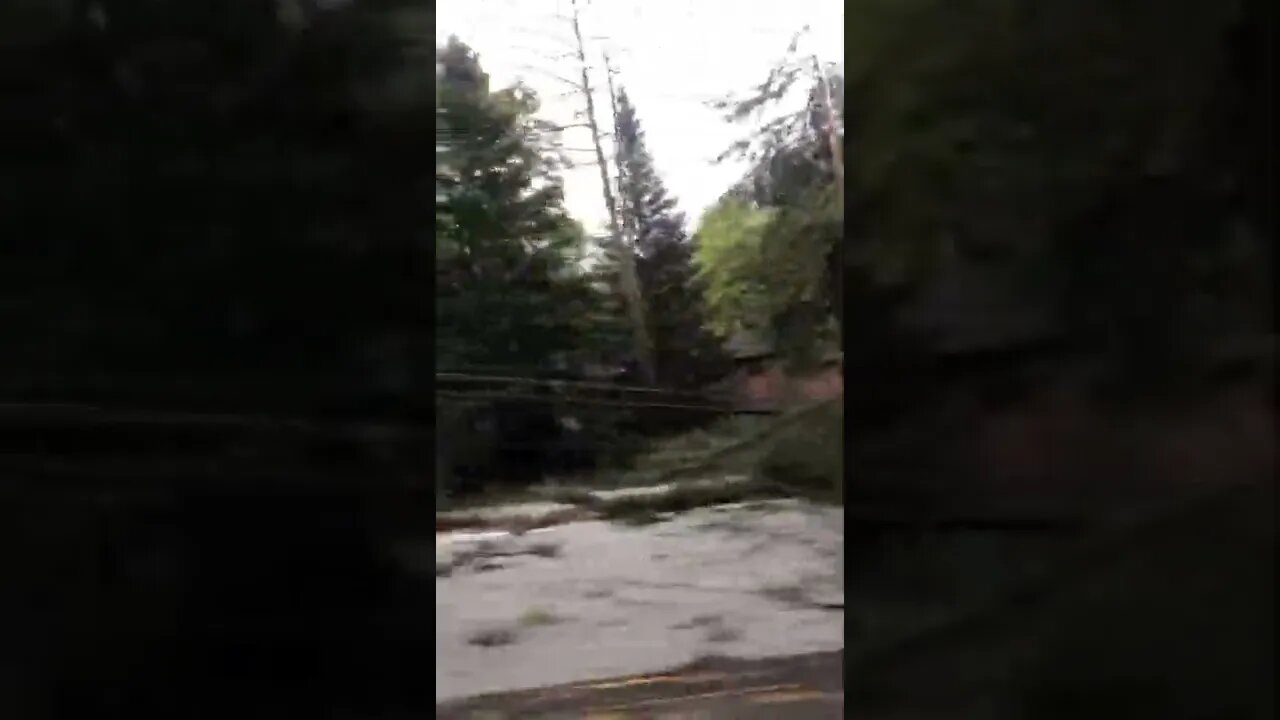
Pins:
x: 672, y: 56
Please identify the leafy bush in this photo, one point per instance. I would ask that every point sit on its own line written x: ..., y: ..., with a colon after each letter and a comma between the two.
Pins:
x: 808, y: 456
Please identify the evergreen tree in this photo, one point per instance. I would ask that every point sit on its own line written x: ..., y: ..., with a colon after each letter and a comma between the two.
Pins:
x: 508, y: 290
x: 685, y: 353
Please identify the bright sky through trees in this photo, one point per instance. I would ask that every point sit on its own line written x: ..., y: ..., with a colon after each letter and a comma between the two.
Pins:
x: 673, y: 55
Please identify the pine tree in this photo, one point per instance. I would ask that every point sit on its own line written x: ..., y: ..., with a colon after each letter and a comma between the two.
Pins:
x: 685, y: 353
x: 508, y: 292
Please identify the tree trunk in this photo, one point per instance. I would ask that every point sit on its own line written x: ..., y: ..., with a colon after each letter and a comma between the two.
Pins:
x: 629, y: 280
x: 836, y: 142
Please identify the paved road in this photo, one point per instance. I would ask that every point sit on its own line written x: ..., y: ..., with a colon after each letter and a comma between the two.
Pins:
x: 802, y: 686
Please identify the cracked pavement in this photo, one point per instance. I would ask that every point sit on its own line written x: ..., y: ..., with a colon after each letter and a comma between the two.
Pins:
x: 745, y: 581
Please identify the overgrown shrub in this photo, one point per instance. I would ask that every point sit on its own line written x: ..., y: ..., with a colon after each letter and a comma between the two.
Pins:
x: 808, y: 456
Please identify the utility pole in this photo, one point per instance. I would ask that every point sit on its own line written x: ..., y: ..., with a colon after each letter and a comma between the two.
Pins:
x: 626, y: 254
x: 835, y: 141
x: 628, y: 229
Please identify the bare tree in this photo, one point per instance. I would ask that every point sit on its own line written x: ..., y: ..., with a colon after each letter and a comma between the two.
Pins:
x: 629, y: 279
x: 578, y: 82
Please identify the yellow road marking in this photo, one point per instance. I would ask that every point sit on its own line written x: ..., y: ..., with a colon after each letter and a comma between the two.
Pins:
x: 703, y: 696
x: 764, y: 694
x: 653, y: 680
x: 571, y: 691
x: 791, y: 697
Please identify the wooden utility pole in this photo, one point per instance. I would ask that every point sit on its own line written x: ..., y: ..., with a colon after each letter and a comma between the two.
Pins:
x: 834, y: 135
x: 835, y: 141
x: 626, y: 254
x: 628, y: 229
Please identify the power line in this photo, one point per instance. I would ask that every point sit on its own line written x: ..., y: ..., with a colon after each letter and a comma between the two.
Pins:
x: 585, y: 384
x: 482, y: 397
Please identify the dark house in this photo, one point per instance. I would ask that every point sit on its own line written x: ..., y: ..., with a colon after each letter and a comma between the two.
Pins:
x: 760, y: 380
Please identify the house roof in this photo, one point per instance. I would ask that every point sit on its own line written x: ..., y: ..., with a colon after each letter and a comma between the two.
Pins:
x: 753, y: 344
x: 749, y: 344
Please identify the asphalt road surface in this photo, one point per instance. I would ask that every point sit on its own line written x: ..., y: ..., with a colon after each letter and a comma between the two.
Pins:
x: 801, y: 686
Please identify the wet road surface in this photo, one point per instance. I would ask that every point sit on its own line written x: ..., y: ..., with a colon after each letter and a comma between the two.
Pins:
x: 800, y: 686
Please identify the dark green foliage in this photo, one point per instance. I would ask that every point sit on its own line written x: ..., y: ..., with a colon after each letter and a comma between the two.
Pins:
x: 507, y: 289
x: 808, y: 457
x: 686, y: 355
x: 795, y: 286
